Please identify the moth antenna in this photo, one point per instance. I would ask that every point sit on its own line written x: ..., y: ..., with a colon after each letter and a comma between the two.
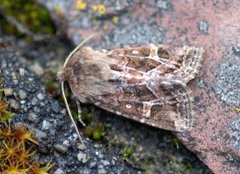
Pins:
x: 70, y: 114
x: 78, y: 47
x: 63, y: 91
x: 79, y: 112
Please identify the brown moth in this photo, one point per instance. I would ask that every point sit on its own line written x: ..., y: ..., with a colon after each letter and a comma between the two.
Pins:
x: 147, y: 83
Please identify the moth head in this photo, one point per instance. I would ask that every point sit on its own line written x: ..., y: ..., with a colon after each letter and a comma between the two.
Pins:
x: 61, y: 75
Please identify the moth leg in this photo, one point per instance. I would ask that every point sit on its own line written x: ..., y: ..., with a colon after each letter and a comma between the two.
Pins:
x: 79, y: 112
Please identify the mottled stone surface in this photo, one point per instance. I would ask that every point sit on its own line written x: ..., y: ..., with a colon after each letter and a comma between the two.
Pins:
x: 213, y: 25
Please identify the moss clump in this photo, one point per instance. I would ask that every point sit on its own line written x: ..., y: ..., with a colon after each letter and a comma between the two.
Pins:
x: 32, y: 16
x: 86, y: 117
x: 17, y: 147
x: 128, y: 152
x: 96, y: 132
x: 4, y: 113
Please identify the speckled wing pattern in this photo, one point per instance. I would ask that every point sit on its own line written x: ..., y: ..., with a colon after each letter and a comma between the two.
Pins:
x: 147, y: 83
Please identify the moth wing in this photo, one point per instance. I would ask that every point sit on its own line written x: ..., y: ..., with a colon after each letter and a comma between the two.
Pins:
x: 176, y: 63
x: 170, y: 109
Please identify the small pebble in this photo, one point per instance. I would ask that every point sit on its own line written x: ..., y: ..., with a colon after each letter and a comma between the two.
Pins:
x: 105, y: 162
x: 32, y: 117
x: 60, y: 148
x: 46, y: 125
x: 101, y: 170
x: 14, y: 104
x: 34, y: 101
x: 22, y: 94
x: 40, y: 134
x: 22, y: 72
x: 40, y: 96
x: 66, y: 143
x: 55, y: 107
x: 37, y: 69
x: 82, y: 157
x: 81, y: 146
x: 92, y: 165
x: 8, y: 92
x: 59, y: 171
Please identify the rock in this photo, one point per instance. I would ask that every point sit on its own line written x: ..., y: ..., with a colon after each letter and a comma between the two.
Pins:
x: 40, y: 134
x: 81, y: 146
x: 46, y: 125
x: 34, y: 101
x: 60, y: 148
x: 82, y: 157
x: 8, y: 92
x: 66, y: 143
x: 22, y: 94
x: 101, y: 170
x: 37, y: 69
x: 32, y: 117
x: 92, y: 165
x: 40, y: 96
x: 22, y: 72
x: 105, y: 163
x: 55, y: 107
x: 14, y: 104
x: 59, y: 171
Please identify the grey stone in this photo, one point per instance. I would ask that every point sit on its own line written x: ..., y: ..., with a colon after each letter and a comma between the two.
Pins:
x: 82, y: 157
x: 60, y: 148
x: 22, y: 72
x: 55, y: 107
x: 40, y: 96
x: 59, y: 171
x: 92, y: 165
x: 32, y: 117
x: 34, y: 101
x: 81, y: 146
x: 105, y: 162
x: 40, y: 134
x: 101, y: 170
x: 22, y: 94
x: 14, y: 104
x: 46, y: 125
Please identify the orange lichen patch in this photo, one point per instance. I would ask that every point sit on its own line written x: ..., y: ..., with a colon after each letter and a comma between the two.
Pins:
x: 81, y: 5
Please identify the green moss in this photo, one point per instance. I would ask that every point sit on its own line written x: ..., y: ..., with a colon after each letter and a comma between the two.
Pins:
x: 95, y: 132
x: 176, y: 142
x: 31, y: 15
x: 5, y: 114
x: 87, y: 117
x: 127, y: 152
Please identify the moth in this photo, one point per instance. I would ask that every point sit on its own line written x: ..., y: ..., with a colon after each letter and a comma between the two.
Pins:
x: 145, y: 83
